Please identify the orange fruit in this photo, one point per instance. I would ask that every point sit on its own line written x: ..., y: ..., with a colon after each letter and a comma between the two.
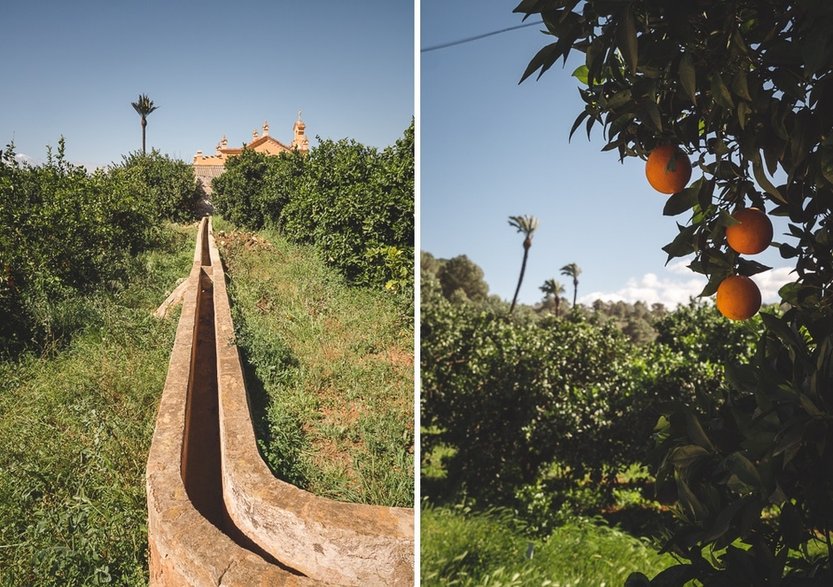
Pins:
x: 753, y: 232
x: 668, y: 169
x: 738, y: 298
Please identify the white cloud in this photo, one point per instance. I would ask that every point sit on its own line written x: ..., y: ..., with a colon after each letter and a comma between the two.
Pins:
x: 771, y: 281
x: 23, y: 158
x: 677, y: 283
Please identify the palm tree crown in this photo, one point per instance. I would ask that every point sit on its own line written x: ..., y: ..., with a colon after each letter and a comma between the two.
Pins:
x: 526, y: 225
x: 572, y: 270
x: 143, y: 107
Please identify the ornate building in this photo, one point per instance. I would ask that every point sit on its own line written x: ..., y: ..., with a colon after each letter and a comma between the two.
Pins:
x: 207, y: 167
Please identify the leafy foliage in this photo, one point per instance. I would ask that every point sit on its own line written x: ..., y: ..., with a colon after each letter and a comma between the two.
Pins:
x: 65, y: 231
x: 167, y: 183
x: 238, y: 192
x: 459, y: 277
x: 746, y: 88
x: 514, y: 396
x: 351, y: 201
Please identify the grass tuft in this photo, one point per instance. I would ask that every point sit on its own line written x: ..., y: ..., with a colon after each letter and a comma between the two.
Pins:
x: 463, y: 548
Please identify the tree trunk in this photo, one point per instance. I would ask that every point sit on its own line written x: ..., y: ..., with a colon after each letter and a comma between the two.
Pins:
x: 520, y: 278
x: 575, y: 291
x: 144, y: 126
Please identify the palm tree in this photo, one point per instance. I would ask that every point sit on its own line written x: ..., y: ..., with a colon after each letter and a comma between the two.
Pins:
x: 526, y: 225
x: 553, y: 288
x: 572, y: 270
x: 143, y: 106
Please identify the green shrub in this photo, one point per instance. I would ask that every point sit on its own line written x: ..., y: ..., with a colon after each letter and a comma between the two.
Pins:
x: 514, y: 395
x: 63, y: 231
x: 168, y: 183
x: 236, y: 193
x: 352, y: 202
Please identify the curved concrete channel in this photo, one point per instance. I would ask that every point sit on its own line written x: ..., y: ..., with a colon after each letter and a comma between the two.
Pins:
x: 216, y: 514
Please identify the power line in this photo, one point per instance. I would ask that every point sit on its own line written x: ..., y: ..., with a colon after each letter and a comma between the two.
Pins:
x: 477, y: 37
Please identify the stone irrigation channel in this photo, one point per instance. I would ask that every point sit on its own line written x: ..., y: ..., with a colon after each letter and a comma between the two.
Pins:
x: 216, y: 513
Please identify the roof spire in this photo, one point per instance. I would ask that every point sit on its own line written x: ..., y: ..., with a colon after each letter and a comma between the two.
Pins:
x: 300, y: 141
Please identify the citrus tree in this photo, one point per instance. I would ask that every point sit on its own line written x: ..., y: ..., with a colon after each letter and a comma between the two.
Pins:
x: 742, y: 89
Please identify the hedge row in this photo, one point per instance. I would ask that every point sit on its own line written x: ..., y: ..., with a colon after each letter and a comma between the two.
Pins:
x: 515, y: 395
x: 65, y: 231
x: 356, y: 204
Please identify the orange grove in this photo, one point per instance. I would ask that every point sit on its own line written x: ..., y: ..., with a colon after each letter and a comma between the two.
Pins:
x: 753, y: 232
x: 738, y: 297
x: 668, y: 169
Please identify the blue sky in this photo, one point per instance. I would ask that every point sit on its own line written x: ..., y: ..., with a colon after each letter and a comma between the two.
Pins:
x: 492, y: 148
x: 213, y: 68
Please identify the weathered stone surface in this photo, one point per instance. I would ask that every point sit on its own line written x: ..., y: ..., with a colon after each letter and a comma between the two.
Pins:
x: 172, y: 300
x: 254, y: 529
x: 325, y: 539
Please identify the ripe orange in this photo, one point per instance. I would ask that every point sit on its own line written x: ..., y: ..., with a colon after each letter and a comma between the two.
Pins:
x: 738, y: 298
x: 753, y: 232
x: 668, y: 169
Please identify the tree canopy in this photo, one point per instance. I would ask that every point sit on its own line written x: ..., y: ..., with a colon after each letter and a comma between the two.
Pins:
x: 745, y: 88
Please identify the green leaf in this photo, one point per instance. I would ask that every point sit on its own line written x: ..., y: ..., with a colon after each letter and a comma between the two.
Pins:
x: 580, y: 73
x: 637, y: 579
x: 815, y: 52
x: 683, y: 456
x: 791, y: 525
x: 543, y: 60
x: 780, y: 328
x: 704, y: 196
x: 626, y: 39
x: 577, y: 123
x: 748, y: 267
x: 763, y: 180
x: 740, y: 377
x: 743, y: 114
x: 722, y: 522
x: 651, y: 115
x: 674, y: 575
x: 711, y: 286
x: 595, y: 59
x: 682, y: 244
x: 789, y: 438
x: 618, y: 99
x: 740, y: 85
x: 689, y: 499
x: 688, y: 78
x: 682, y: 201
x: 720, y: 91
x: 695, y: 431
x: 745, y: 471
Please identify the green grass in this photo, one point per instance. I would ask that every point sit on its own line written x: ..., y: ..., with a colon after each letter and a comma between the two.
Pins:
x: 459, y: 547
x: 75, y: 428
x: 329, y: 368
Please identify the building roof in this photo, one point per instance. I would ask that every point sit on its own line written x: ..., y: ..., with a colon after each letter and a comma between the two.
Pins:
x: 254, y: 144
